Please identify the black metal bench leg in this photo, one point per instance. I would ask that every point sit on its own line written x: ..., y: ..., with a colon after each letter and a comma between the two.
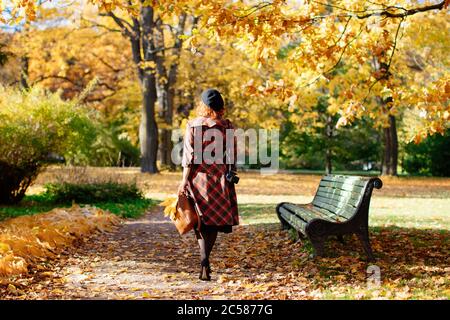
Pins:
x: 363, y: 236
x: 301, y: 236
x: 318, y: 244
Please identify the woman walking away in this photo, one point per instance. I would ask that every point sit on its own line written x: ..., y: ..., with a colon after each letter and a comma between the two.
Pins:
x: 209, y: 178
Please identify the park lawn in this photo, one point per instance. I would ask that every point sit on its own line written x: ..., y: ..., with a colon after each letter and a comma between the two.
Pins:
x: 412, y: 249
x: 251, y: 183
x: 34, y: 204
x: 407, y: 213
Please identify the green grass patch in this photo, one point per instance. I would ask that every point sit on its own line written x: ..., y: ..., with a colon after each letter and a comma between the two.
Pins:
x: 92, y: 192
x: 257, y: 213
x: 406, y: 217
x: 124, y: 200
x: 29, y: 205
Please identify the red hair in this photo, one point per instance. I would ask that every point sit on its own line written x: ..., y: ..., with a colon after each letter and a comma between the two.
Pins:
x: 204, y: 111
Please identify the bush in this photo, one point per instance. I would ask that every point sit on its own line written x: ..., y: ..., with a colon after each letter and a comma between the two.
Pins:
x: 34, y: 124
x: 92, y: 192
x: 109, y: 149
x: 430, y: 157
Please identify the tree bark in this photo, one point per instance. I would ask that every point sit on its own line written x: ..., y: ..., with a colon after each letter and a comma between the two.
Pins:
x: 148, y: 130
x: 328, y: 162
x: 24, y: 66
x: 390, y: 159
x: 140, y: 33
x: 166, y: 89
x: 394, y: 145
x: 329, y: 144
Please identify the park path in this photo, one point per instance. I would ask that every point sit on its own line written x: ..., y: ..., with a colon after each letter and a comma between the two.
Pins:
x: 147, y: 259
x: 144, y: 258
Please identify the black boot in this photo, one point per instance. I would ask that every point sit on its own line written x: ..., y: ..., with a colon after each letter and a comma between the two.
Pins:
x: 205, y: 271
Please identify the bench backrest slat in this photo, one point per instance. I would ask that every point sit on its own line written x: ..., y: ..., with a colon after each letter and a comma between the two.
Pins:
x: 340, y: 195
x: 355, y: 180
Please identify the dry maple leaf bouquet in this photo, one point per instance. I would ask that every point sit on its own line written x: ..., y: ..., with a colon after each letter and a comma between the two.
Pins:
x: 170, y: 209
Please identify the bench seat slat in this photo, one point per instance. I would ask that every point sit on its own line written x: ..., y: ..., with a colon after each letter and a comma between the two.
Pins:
x: 342, y: 214
x: 293, y: 220
x: 308, y: 213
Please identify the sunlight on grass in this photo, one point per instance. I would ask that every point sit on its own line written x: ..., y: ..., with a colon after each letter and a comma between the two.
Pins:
x: 408, y: 213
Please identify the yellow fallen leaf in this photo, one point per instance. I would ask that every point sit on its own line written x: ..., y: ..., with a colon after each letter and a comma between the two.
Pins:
x: 4, y: 247
x: 57, y: 291
x: 28, y: 240
x: 11, y: 288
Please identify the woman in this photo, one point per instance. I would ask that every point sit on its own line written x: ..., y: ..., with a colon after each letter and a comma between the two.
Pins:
x: 204, y: 173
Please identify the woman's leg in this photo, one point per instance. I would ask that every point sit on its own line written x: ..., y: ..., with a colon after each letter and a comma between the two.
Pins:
x: 206, y: 240
x: 202, y: 245
x: 210, y: 240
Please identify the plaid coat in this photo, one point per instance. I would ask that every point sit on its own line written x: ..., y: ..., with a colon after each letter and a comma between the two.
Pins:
x: 214, y: 197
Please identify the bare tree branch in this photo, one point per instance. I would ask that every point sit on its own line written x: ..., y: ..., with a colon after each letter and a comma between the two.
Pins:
x: 96, y: 24
x: 405, y: 12
x: 121, y: 23
x: 385, y: 10
x: 106, y: 63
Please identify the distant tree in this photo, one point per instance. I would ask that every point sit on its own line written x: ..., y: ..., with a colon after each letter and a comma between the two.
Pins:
x: 319, y: 145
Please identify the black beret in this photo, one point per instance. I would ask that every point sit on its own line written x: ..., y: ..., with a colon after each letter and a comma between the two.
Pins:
x: 213, y: 99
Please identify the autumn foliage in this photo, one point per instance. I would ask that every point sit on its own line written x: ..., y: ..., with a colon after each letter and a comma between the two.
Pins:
x: 27, y: 240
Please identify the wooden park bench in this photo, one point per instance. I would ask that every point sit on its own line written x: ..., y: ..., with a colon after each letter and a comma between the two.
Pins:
x: 340, y: 206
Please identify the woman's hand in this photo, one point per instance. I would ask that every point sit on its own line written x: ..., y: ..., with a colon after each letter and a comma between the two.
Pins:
x: 182, y: 186
x: 184, y: 181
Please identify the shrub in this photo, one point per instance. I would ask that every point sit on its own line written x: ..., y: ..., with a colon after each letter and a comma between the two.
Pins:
x: 34, y: 124
x: 108, y: 149
x: 430, y: 157
x: 92, y: 192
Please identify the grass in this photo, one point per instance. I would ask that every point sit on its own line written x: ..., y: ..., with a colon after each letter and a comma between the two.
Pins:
x: 407, y: 213
x: 251, y: 183
x: 34, y: 204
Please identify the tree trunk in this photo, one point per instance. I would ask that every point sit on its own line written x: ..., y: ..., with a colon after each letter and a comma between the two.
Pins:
x: 165, y: 113
x: 166, y: 151
x: 328, y: 144
x: 328, y: 163
x: 390, y: 159
x: 24, y: 65
x: 166, y: 133
x: 148, y: 130
x: 140, y: 31
x: 394, y: 145
x: 166, y: 90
